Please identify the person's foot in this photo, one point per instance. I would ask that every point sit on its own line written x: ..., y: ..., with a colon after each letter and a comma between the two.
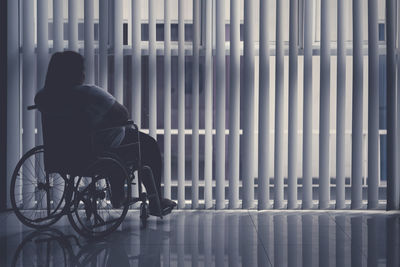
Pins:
x: 167, y: 206
x: 161, y: 207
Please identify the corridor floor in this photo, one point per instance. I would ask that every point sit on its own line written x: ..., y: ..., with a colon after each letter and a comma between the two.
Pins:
x: 214, y: 238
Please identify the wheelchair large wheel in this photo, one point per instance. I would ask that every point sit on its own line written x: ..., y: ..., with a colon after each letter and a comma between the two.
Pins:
x: 38, y: 198
x: 93, y: 213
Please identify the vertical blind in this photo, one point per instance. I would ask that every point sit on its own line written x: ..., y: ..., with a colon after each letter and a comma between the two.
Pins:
x: 251, y: 115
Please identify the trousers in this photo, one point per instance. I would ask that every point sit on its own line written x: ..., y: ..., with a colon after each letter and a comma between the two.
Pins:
x: 150, y: 156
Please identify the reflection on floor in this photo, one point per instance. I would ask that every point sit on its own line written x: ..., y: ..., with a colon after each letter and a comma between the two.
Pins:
x: 214, y: 238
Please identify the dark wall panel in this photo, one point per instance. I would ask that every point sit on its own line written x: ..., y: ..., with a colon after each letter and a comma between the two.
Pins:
x: 3, y: 102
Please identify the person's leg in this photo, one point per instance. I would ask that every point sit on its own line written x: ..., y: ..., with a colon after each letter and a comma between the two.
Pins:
x: 151, y: 156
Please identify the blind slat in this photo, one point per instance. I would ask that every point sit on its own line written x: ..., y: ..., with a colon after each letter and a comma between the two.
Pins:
x: 89, y: 41
x: 279, y: 76
x: 167, y: 99
x: 152, y: 70
x: 136, y: 73
x: 73, y: 25
x: 324, y: 177
x: 58, y: 26
x: 136, y: 63
x: 293, y: 105
x: 357, y: 125
x: 118, y: 51
x: 234, y: 105
x: 248, y: 104
x: 181, y: 105
x: 307, y: 202
x: 195, y: 104
x: 264, y: 106
x: 208, y: 67
x: 220, y: 105
x: 42, y: 41
x: 373, y: 104
x: 341, y: 107
x: 103, y: 44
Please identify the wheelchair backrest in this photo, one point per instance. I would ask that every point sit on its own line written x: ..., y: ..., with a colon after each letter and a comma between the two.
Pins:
x: 67, y: 142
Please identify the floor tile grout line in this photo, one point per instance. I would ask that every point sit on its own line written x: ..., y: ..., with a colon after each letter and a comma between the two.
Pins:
x: 350, y: 237
x: 258, y: 237
x: 341, y: 228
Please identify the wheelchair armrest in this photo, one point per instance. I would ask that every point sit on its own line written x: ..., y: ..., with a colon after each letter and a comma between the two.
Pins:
x: 125, y: 124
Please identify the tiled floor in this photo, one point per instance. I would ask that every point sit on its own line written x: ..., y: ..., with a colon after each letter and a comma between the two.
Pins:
x: 215, y: 238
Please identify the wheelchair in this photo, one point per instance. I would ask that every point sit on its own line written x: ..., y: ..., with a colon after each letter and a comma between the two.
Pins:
x: 69, y: 175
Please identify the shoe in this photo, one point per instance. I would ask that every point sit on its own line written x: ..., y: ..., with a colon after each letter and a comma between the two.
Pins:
x: 162, y: 207
x: 167, y: 206
x: 165, y: 202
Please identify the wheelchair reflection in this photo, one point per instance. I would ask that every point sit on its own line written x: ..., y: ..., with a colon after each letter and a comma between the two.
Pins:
x: 51, y: 247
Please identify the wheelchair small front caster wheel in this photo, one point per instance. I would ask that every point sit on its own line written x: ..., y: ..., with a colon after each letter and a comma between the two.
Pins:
x: 144, y: 214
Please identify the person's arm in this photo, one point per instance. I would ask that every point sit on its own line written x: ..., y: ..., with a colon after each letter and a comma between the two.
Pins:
x: 116, y: 115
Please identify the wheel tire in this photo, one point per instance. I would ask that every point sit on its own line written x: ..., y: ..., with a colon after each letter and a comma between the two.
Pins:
x: 17, y: 182
x: 79, y: 218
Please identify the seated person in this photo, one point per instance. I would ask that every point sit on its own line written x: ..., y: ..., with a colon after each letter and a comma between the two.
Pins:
x: 65, y: 93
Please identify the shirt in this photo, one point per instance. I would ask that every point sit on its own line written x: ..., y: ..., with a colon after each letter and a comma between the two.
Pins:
x: 91, y: 101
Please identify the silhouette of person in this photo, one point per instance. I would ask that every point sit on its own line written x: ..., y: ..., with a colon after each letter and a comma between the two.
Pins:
x: 64, y: 92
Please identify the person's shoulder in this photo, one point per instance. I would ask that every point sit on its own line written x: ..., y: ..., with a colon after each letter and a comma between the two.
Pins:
x: 97, y: 96
x: 93, y: 90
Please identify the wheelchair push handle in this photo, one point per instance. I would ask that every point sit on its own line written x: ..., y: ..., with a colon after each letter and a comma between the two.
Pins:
x: 32, y: 107
x: 133, y: 124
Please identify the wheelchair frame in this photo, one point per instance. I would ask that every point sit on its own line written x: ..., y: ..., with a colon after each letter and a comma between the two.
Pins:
x: 72, y: 196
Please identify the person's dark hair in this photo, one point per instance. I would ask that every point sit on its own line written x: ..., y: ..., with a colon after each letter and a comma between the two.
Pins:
x: 66, y: 69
